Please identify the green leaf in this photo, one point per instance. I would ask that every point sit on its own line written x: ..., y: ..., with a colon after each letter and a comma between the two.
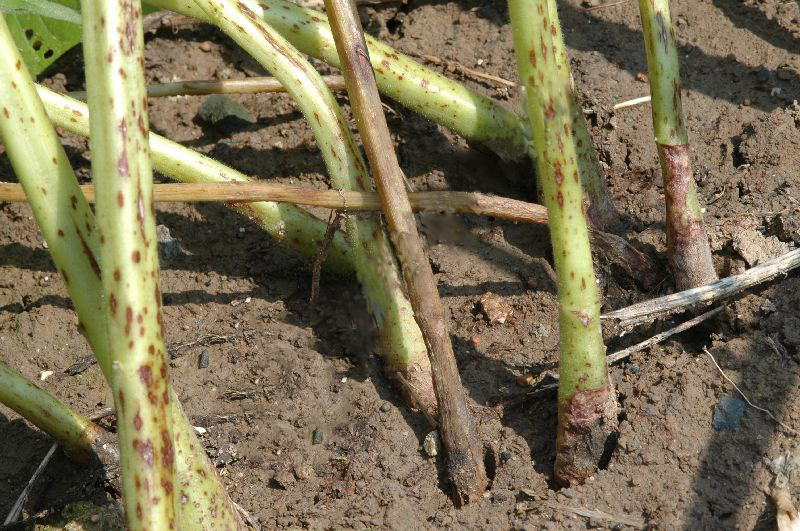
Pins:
x: 44, y: 8
x: 42, y: 39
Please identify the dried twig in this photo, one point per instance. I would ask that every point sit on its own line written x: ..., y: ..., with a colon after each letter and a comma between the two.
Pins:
x: 631, y: 103
x: 597, y: 514
x: 658, y: 338
x: 787, y: 517
x: 746, y: 399
x: 721, y: 289
x: 333, y: 224
x: 456, y: 426
x: 607, y: 4
x: 13, y: 515
x: 251, y: 85
x: 469, y: 72
x: 464, y: 202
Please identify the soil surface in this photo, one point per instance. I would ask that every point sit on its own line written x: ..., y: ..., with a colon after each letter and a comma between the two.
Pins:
x: 279, y: 370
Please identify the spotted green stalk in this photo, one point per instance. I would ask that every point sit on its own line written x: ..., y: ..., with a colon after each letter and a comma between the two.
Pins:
x: 79, y: 437
x: 584, y: 393
x: 419, y: 88
x: 113, y: 51
x: 288, y: 224
x: 403, y: 348
x: 688, y: 250
x: 68, y: 226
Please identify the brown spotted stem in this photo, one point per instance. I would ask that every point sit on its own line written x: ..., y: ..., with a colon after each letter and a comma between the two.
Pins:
x: 688, y: 250
x: 113, y: 48
x: 442, y: 100
x: 465, y: 463
x: 586, y: 401
x: 402, y: 345
x: 287, y: 224
x: 68, y: 225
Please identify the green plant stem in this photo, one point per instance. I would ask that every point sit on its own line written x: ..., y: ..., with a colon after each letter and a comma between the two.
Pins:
x: 287, y: 224
x: 468, y: 113
x: 67, y: 224
x: 465, y: 463
x: 402, y: 346
x: 584, y: 394
x: 80, y: 437
x: 113, y: 47
x: 688, y: 250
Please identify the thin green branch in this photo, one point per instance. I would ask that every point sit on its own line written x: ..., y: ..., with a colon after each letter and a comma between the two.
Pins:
x: 287, y: 224
x: 403, y: 348
x: 80, y: 437
x: 584, y: 391
x: 468, y: 113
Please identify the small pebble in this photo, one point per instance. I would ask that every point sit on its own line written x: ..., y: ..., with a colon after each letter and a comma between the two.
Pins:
x: 569, y: 493
x: 431, y: 444
x: 505, y: 457
x: 316, y: 437
x: 205, y: 46
x: 202, y: 360
x: 632, y: 368
x: 385, y: 407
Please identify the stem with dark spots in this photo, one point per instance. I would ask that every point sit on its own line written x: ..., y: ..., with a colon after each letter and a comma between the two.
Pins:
x: 67, y: 223
x: 113, y: 48
x: 287, y: 224
x: 586, y: 401
x: 465, y: 463
x: 403, y: 348
x: 688, y: 250
x: 442, y: 100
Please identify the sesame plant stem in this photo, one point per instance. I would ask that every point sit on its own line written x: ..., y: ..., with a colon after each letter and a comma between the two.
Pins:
x: 586, y: 404
x: 403, y: 348
x: 688, y: 250
x: 79, y: 437
x: 68, y: 226
x: 442, y: 100
x: 113, y: 47
x: 287, y: 224
x: 456, y: 427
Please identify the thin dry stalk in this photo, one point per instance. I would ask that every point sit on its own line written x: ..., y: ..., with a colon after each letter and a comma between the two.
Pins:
x: 252, y: 85
x: 465, y: 464
x: 463, y: 202
x: 746, y: 399
x: 721, y: 289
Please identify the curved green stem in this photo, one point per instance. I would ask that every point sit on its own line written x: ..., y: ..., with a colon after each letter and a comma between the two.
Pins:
x: 76, y: 434
x: 584, y: 387
x: 68, y: 226
x: 688, y: 249
x: 468, y: 113
x: 287, y: 224
x: 376, y: 269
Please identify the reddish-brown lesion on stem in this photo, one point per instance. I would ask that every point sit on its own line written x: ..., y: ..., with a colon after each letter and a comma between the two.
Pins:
x: 587, y: 421
x: 688, y: 251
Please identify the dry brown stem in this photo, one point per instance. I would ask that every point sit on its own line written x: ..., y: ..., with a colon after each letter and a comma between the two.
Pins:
x: 465, y: 464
